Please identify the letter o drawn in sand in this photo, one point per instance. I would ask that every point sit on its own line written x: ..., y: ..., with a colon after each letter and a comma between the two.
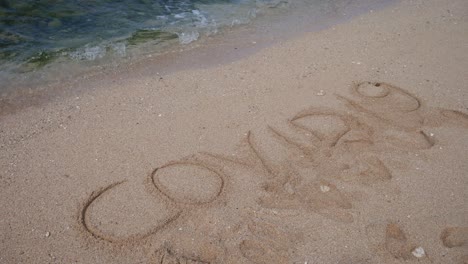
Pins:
x: 373, y: 90
x: 385, y: 98
x: 188, y: 183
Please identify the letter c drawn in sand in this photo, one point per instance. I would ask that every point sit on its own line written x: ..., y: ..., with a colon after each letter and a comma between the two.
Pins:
x: 98, y: 234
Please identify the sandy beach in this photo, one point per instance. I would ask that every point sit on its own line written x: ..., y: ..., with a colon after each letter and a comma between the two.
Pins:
x: 346, y: 145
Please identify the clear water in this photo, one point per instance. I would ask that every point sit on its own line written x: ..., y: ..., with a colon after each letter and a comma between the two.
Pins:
x: 43, y: 41
x: 34, y: 33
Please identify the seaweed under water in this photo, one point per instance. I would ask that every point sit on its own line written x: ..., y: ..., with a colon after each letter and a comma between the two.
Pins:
x: 37, y: 32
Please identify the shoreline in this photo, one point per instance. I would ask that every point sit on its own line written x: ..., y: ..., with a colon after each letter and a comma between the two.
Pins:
x: 225, y: 47
x: 345, y: 145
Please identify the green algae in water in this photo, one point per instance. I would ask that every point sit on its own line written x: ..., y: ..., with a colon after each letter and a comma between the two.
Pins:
x: 32, y: 31
x: 145, y: 35
x: 8, y: 39
x: 42, y: 58
x: 7, y: 55
x: 55, y: 23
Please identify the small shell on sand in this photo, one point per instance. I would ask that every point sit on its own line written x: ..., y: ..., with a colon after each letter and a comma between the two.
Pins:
x: 418, y: 252
x: 324, y: 188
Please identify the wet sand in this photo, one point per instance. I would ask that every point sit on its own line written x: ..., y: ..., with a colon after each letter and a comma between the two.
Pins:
x: 347, y: 145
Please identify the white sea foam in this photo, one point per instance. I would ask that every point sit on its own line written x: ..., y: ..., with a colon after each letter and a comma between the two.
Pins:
x: 98, y: 52
x: 180, y: 15
x: 88, y: 53
x: 236, y: 22
x: 253, y: 13
x: 187, y: 37
x: 119, y: 48
x: 202, y: 20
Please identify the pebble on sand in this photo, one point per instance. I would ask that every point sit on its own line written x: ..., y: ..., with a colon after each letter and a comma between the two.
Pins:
x: 324, y: 188
x: 321, y: 93
x: 418, y: 252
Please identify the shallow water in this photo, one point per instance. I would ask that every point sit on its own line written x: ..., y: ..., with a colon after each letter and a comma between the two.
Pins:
x: 35, y: 33
x: 43, y: 40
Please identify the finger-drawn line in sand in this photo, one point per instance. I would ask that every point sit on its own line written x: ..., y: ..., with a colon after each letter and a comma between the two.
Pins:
x: 348, y: 138
x: 409, y: 140
x: 346, y: 129
x: 288, y: 189
x: 166, y: 256
x: 319, y: 196
x: 332, y: 137
x: 454, y: 237
x: 372, y: 93
x: 189, y: 197
x: 321, y: 148
x: 388, y: 119
x: 343, y: 144
x: 267, y: 243
x: 307, y: 148
x: 396, y: 242
x: 399, y: 108
x: 378, y: 92
x: 395, y: 107
x: 232, y: 160
x: 96, y: 233
x: 259, y: 252
x: 455, y: 116
x: 393, y: 241
x: 363, y: 169
x: 372, y: 168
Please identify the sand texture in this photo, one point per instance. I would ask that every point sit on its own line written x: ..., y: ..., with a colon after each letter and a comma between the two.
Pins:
x: 348, y: 145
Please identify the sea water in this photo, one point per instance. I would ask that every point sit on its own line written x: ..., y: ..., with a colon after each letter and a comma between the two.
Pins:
x: 65, y: 36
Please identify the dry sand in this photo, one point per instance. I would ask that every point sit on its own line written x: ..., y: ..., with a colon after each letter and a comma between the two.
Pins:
x: 347, y: 145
